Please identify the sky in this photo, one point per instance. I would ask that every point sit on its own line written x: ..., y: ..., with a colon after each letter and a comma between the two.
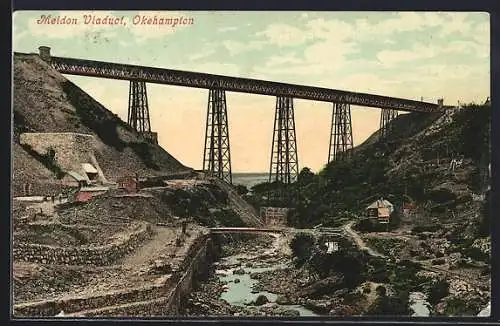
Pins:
x: 425, y: 55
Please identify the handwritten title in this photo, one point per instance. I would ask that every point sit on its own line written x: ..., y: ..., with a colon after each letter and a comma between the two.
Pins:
x: 115, y: 20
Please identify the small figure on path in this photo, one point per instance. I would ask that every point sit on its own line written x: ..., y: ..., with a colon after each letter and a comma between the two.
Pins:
x: 184, y: 226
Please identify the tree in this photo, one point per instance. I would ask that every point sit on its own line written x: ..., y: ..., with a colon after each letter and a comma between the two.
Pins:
x: 306, y: 176
x: 302, y: 246
x: 438, y: 291
x: 241, y: 189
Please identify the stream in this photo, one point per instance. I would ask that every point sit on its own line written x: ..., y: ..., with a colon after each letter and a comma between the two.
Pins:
x: 241, y: 293
x: 232, y: 290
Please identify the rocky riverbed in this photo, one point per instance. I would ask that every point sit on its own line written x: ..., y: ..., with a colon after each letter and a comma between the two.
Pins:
x: 256, y: 278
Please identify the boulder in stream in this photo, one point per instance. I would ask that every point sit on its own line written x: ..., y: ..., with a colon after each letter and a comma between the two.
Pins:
x: 240, y: 271
x: 284, y: 300
x: 290, y: 313
x: 236, y: 280
x: 261, y: 299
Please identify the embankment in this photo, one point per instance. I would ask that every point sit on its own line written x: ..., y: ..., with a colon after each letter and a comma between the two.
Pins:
x: 162, y: 297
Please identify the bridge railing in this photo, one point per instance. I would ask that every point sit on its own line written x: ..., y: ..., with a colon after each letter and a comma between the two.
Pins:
x: 235, y: 84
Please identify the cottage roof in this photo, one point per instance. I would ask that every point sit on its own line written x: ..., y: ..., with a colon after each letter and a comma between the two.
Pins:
x: 89, y: 168
x: 384, y: 212
x: 380, y: 203
x: 94, y: 189
x: 75, y: 176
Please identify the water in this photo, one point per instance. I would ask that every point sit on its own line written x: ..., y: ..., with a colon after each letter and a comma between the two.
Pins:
x: 419, y: 304
x: 240, y: 294
x: 249, y: 179
x: 486, y: 312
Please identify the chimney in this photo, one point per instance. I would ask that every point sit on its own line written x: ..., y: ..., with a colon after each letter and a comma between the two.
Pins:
x: 44, y: 53
x: 440, y: 102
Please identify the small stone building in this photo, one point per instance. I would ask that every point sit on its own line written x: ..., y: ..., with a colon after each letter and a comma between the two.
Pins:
x: 70, y: 151
x: 381, y: 210
x: 274, y: 216
x: 72, y: 179
x: 129, y: 184
x: 90, y: 171
x: 87, y: 193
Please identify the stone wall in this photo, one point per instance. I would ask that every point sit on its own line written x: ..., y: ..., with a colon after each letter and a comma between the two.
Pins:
x: 93, y: 302
x: 36, y: 188
x: 163, y: 298
x: 84, y: 255
x: 274, y: 216
x: 71, y: 149
x: 198, y: 266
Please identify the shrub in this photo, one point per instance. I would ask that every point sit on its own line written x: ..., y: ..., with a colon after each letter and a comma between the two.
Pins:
x: 437, y: 291
x: 241, y: 189
x: 302, y: 246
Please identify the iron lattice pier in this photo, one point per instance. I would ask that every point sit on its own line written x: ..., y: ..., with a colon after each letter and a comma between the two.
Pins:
x: 341, y: 132
x: 138, y: 110
x: 284, y: 162
x: 217, y: 156
x: 386, y: 116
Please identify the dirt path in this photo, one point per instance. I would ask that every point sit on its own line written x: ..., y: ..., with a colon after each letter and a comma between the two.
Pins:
x: 162, y: 243
x: 359, y: 242
x: 363, y: 246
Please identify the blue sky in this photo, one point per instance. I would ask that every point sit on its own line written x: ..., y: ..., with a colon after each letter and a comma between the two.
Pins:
x: 411, y: 55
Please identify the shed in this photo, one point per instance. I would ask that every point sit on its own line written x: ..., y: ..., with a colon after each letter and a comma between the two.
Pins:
x: 87, y: 193
x: 90, y: 170
x: 381, y: 210
x: 72, y: 179
x: 128, y: 183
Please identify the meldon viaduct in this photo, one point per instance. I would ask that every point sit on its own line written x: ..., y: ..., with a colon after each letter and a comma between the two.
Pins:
x: 217, y: 157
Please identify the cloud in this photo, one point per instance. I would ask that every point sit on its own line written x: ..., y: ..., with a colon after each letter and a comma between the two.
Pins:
x: 285, y: 59
x: 419, y: 51
x: 284, y: 35
x: 227, y: 29
x: 235, y: 47
x: 456, y: 22
x: 333, y: 30
x: 125, y: 43
x: 200, y: 55
x: 17, y: 37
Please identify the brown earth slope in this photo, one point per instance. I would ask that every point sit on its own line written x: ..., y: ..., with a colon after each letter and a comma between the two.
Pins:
x: 45, y: 101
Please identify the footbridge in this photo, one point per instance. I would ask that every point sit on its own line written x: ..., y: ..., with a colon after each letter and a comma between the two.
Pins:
x: 216, y: 155
x: 261, y: 230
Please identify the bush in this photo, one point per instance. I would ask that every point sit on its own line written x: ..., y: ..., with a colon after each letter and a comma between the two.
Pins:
x: 426, y: 228
x: 241, y: 189
x: 143, y: 150
x: 228, y: 217
x: 437, y: 291
x: 302, y: 246
x: 397, y: 305
x: 477, y: 254
x: 381, y: 291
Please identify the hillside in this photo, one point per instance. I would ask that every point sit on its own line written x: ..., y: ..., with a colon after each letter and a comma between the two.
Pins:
x: 45, y: 101
x: 437, y: 166
x: 413, y: 166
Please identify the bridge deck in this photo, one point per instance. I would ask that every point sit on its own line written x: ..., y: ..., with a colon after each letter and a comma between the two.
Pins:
x: 110, y: 70
x: 331, y: 231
